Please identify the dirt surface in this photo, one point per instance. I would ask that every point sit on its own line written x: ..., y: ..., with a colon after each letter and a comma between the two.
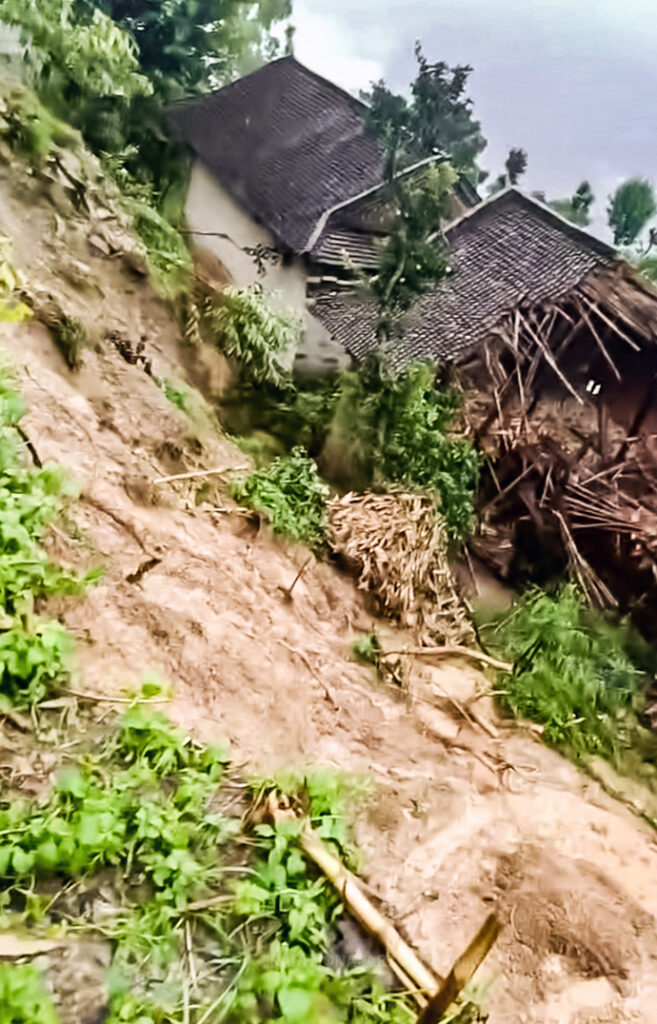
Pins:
x: 470, y: 813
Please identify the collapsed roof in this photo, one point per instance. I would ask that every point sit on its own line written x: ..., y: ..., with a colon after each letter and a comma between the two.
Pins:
x: 509, y: 251
x: 289, y: 145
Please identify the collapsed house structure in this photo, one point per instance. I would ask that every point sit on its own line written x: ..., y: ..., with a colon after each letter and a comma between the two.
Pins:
x: 554, y: 339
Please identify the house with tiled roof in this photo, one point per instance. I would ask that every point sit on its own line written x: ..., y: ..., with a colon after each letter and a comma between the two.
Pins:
x: 286, y: 180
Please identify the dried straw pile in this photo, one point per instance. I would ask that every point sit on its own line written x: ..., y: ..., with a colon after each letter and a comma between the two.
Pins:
x: 396, y: 544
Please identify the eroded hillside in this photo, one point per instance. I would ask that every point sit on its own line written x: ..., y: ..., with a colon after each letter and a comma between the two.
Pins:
x: 470, y: 812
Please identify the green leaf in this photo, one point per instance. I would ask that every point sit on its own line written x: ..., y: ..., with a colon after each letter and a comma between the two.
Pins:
x: 295, y: 1004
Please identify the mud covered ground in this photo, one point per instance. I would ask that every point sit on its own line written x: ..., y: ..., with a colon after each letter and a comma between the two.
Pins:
x: 465, y: 817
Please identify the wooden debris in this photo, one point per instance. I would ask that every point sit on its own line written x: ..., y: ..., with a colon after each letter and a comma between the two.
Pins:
x: 197, y: 473
x: 287, y: 591
x: 428, y: 988
x: 358, y: 904
x: 453, y: 650
x: 397, y: 545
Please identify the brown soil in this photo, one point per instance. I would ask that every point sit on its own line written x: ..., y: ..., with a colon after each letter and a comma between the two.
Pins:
x: 462, y: 821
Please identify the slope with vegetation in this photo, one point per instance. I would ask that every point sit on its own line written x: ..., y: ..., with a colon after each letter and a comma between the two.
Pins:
x: 123, y: 844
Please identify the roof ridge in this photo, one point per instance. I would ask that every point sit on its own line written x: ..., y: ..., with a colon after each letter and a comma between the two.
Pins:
x: 286, y: 59
x: 512, y: 191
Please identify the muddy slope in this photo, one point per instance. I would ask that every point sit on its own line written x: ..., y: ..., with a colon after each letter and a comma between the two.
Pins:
x: 465, y: 818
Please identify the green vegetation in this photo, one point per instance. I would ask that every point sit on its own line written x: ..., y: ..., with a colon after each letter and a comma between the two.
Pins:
x: 177, y: 396
x: 576, y: 208
x: 246, y: 326
x: 35, y: 652
x: 576, y: 674
x: 631, y: 207
x: 11, y: 311
x: 437, y: 119
x: 150, y: 810
x: 23, y: 996
x: 168, y: 258
x: 396, y: 429
x: 292, y: 496
x: 412, y: 258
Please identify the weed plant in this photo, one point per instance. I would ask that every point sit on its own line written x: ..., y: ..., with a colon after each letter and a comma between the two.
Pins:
x: 35, y: 652
x: 573, y: 674
x: 291, y: 495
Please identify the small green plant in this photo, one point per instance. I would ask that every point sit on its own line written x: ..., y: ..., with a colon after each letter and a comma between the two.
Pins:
x: 249, y: 329
x: 177, y: 396
x: 291, y: 494
x: 367, y: 648
x: 167, y: 256
x: 23, y: 996
x: 70, y: 337
x: 35, y: 653
x: 30, y: 128
x: 11, y: 311
x: 572, y: 674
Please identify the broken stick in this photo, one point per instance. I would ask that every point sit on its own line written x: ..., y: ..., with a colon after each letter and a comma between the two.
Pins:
x: 461, y: 972
x: 448, y: 650
x: 219, y: 471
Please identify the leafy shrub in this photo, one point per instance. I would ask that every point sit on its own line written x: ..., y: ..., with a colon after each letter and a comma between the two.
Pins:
x: 23, y: 996
x: 572, y: 673
x: 11, y: 311
x: 397, y: 429
x: 30, y: 128
x: 167, y: 256
x: 249, y: 329
x: 291, y: 494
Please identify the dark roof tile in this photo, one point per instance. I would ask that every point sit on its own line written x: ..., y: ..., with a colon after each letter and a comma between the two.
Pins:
x: 508, y: 250
x: 288, y: 144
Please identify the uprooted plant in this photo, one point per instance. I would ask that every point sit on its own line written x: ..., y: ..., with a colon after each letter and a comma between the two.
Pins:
x: 291, y: 495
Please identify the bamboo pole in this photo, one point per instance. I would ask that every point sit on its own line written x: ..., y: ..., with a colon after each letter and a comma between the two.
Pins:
x: 420, y: 980
x: 462, y: 971
x: 359, y: 905
x: 196, y: 473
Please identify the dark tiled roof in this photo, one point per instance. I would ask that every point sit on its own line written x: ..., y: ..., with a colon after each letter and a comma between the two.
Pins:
x: 507, y: 251
x: 288, y: 144
x: 361, y: 248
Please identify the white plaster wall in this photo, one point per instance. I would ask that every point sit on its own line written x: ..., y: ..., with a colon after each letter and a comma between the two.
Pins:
x: 225, y: 229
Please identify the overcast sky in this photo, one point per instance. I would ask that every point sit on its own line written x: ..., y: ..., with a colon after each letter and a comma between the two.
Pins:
x: 574, y: 82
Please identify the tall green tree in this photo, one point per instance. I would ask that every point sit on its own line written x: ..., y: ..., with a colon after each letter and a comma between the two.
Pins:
x: 438, y: 118
x: 630, y: 209
x: 193, y: 45
x: 576, y: 208
x: 414, y: 256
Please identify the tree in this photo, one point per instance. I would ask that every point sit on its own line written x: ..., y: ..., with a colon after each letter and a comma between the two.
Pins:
x: 438, y: 118
x: 516, y: 165
x: 630, y: 209
x: 414, y: 256
x: 191, y: 45
x: 576, y: 208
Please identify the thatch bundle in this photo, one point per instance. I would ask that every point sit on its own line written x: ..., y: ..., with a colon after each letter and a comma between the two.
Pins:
x: 397, y: 546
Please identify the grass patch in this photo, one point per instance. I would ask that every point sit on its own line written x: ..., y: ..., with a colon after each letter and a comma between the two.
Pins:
x: 574, y: 675
x: 291, y: 495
